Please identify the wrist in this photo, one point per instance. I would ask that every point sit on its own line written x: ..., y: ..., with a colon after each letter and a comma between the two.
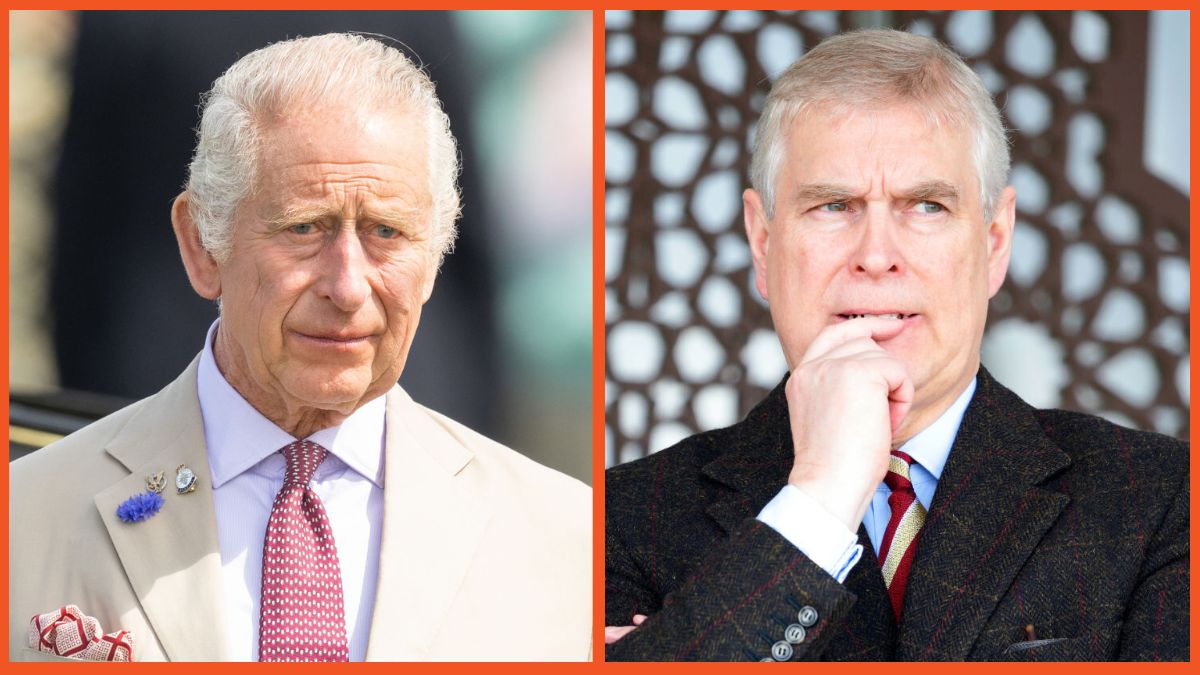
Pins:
x: 846, y: 502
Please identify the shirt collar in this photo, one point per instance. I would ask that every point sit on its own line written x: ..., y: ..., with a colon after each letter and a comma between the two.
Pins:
x: 931, y: 447
x: 239, y: 437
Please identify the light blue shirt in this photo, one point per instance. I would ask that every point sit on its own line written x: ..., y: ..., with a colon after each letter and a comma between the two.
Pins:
x: 824, y: 539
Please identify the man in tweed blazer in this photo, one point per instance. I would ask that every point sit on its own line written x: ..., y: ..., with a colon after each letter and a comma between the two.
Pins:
x: 880, y: 226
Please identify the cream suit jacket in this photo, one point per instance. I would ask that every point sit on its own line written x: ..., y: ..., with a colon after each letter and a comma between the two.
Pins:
x: 485, y: 554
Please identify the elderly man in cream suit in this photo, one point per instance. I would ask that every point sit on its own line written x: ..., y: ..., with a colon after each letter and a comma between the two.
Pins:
x: 321, y: 199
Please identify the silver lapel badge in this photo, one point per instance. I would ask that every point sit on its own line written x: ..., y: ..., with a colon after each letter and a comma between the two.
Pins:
x: 185, y: 479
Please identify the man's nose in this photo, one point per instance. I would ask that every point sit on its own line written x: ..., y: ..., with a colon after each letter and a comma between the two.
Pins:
x: 344, y: 277
x: 877, y: 253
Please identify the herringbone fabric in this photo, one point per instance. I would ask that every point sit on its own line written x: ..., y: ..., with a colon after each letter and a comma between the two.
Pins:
x: 302, y: 614
x: 899, y: 545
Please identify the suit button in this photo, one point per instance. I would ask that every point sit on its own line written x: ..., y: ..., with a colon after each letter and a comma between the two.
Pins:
x: 794, y: 633
x: 767, y: 659
x: 807, y: 616
x: 781, y: 650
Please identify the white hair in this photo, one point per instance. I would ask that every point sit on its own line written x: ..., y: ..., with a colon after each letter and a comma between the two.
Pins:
x: 267, y: 82
x: 872, y: 69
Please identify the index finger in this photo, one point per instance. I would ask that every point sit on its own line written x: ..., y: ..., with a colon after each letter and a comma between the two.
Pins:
x: 835, y: 334
x: 614, y: 633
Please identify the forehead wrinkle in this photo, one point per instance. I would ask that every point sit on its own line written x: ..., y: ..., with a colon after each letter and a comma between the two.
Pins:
x: 391, y: 185
x: 336, y: 190
x: 354, y: 199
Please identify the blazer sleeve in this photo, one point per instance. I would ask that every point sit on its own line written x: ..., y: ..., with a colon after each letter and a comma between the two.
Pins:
x: 737, y: 606
x: 1155, y: 626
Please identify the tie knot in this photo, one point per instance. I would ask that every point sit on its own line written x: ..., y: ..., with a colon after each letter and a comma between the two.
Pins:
x: 303, y: 458
x: 897, y: 476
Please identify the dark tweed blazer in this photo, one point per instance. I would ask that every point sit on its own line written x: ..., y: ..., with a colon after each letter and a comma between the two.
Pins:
x: 1044, y: 517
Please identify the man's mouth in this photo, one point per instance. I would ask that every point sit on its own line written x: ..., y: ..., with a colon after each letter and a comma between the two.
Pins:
x: 338, y: 338
x: 333, y: 339
x: 883, y: 315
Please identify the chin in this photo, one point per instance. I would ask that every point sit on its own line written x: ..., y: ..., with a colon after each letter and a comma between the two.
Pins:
x: 332, y: 392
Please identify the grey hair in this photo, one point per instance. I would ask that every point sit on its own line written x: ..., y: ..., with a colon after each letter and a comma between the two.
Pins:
x: 265, y: 83
x: 873, y: 68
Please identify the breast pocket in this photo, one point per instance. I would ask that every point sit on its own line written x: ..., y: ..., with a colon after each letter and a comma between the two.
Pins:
x: 27, y: 654
x: 1098, y: 646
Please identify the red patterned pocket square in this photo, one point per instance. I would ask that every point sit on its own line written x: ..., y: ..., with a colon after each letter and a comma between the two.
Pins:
x: 69, y: 632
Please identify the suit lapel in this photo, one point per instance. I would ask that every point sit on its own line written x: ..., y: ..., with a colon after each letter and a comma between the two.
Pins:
x: 987, y: 517
x: 869, y: 633
x: 434, y: 517
x: 756, y: 464
x: 172, y: 560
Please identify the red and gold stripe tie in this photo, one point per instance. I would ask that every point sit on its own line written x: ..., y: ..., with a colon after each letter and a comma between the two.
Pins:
x: 899, y: 545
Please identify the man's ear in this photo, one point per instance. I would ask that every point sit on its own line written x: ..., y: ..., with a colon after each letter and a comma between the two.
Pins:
x: 999, y: 238
x: 201, y: 268
x: 758, y: 234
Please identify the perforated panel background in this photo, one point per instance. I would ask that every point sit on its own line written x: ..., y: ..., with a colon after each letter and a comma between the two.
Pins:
x: 1093, y: 316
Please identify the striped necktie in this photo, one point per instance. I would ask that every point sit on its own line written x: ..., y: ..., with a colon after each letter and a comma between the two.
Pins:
x: 899, y: 545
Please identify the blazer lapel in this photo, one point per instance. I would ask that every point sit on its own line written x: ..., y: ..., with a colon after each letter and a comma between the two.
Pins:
x: 434, y: 517
x: 986, y: 519
x: 172, y: 559
x: 756, y: 465
x: 869, y: 633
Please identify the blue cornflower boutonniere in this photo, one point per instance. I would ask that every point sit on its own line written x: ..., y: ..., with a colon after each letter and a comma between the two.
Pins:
x: 140, y: 507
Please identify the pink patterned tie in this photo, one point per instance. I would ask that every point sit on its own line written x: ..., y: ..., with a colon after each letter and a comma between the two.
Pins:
x: 302, y: 616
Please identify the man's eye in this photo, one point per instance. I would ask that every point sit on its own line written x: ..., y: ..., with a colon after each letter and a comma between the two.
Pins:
x: 929, y: 208
x: 835, y: 207
x: 386, y: 231
x: 302, y: 228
